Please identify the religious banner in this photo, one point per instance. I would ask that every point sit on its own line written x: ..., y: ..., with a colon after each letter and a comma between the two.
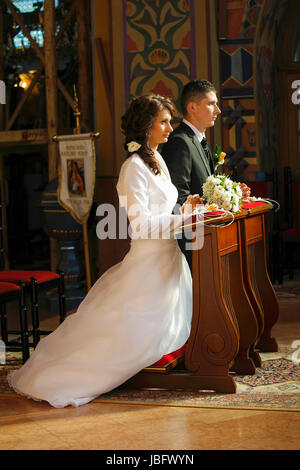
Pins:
x: 76, y: 174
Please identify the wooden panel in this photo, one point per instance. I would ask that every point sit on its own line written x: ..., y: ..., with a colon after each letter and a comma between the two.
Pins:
x: 33, y: 136
x: 213, y: 342
x: 228, y: 239
x: 225, y: 328
x: 257, y: 282
x: 253, y: 229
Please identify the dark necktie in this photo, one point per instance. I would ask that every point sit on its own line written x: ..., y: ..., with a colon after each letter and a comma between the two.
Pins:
x: 205, y: 147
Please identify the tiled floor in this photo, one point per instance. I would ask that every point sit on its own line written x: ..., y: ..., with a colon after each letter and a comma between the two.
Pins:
x: 26, y: 424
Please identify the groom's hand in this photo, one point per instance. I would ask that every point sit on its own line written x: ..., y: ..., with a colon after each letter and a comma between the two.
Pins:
x: 246, y: 191
x: 191, y: 203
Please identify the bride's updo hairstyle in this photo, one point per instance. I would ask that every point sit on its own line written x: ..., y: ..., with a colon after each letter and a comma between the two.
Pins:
x: 137, y: 122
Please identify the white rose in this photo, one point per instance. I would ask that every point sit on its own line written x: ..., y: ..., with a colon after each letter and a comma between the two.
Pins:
x: 133, y: 146
x: 226, y: 205
x: 217, y: 193
x: 227, y: 196
x: 209, y: 178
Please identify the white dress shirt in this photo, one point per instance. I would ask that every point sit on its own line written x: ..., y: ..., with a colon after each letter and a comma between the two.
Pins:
x: 200, y: 135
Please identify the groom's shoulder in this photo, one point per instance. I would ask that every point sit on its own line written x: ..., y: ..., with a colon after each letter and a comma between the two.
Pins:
x: 182, y: 132
x: 182, y: 128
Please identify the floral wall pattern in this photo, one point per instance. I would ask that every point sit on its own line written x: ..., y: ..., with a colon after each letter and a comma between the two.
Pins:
x: 159, y: 47
x: 236, y: 40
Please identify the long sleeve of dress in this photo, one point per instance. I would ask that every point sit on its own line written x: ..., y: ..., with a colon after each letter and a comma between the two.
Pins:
x: 146, y: 221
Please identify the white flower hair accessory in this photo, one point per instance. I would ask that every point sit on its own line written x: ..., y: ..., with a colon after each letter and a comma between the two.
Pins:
x: 133, y: 146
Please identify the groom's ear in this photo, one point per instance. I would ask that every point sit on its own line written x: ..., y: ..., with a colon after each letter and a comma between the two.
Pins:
x: 191, y: 107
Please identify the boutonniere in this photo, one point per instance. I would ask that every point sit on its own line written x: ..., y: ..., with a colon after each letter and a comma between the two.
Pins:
x: 218, y: 157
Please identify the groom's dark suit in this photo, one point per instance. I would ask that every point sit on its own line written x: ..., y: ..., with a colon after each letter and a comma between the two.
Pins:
x: 186, y: 161
x: 188, y: 166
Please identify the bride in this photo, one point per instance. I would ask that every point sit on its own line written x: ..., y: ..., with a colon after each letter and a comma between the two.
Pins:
x: 141, y: 308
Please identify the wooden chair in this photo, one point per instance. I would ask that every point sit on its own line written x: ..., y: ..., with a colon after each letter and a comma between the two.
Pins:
x: 34, y: 281
x: 12, y: 292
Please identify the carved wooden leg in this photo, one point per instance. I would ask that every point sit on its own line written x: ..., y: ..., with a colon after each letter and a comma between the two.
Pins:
x: 214, y: 339
x: 257, y: 281
x: 237, y: 301
x: 268, y: 301
x: 247, y: 235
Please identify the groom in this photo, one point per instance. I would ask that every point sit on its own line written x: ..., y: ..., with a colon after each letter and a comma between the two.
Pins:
x: 187, y: 153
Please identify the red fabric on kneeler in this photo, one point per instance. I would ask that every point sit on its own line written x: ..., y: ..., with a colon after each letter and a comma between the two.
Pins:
x: 249, y: 205
x: 167, y: 358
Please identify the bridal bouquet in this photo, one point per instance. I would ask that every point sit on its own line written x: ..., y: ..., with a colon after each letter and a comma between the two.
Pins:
x: 221, y: 192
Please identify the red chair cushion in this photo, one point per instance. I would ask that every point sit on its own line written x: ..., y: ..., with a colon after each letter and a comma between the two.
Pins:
x: 167, y: 358
x: 292, y: 232
x: 6, y: 287
x: 16, y: 276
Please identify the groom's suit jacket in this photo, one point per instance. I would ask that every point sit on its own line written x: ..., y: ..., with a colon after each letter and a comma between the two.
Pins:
x: 186, y: 161
x: 188, y: 167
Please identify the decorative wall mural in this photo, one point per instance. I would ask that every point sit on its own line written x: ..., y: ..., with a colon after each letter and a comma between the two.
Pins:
x: 159, y: 47
x: 251, y: 14
x: 236, y: 67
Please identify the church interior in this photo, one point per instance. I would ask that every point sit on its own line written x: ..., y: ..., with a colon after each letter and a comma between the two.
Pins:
x: 72, y: 66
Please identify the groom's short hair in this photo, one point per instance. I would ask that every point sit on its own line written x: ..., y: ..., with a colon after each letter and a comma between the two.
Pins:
x: 194, y: 90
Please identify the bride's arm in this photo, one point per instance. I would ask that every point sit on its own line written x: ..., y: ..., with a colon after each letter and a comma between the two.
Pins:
x: 133, y: 191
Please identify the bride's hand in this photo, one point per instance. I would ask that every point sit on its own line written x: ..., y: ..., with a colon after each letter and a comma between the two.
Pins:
x: 191, y: 203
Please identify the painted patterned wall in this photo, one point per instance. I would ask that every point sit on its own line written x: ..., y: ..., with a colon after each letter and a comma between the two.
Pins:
x: 158, y: 46
x: 159, y: 52
x: 236, y: 39
x: 160, y: 57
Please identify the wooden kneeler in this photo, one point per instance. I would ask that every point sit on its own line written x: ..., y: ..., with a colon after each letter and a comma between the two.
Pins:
x: 234, y: 309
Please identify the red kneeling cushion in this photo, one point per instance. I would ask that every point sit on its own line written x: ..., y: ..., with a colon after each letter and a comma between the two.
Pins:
x: 221, y: 212
x: 292, y: 232
x: 167, y: 358
x: 249, y: 205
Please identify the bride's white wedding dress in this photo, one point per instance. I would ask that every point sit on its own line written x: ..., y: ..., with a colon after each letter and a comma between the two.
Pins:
x: 139, y: 310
